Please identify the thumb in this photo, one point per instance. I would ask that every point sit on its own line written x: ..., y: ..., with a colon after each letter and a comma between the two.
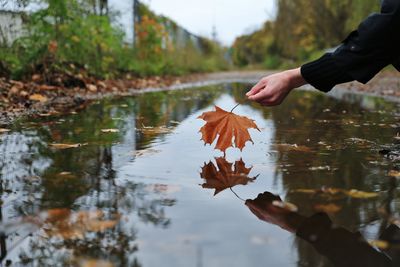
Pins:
x: 257, y: 88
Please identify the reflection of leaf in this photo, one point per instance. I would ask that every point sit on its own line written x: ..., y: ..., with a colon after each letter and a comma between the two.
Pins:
x: 66, y: 146
x: 226, y: 125
x: 74, y: 225
x: 328, y: 208
x: 222, y: 176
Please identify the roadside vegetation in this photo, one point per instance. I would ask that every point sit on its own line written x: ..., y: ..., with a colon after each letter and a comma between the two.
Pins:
x: 301, y: 31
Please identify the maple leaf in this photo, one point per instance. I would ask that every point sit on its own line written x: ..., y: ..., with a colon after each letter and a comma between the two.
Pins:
x: 223, y: 176
x: 227, y: 126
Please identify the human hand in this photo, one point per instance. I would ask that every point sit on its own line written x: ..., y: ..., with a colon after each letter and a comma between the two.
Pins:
x: 273, y: 89
x: 266, y: 209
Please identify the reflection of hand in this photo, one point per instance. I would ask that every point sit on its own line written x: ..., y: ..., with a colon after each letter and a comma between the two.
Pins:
x: 263, y: 207
x: 273, y: 89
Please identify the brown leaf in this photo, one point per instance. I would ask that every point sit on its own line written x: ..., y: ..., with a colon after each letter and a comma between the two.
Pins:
x: 95, y: 263
x: 2, y: 130
x: 380, y: 244
x: 223, y: 176
x: 328, y: 208
x: 110, y: 131
x: 227, y: 126
x: 292, y: 147
x: 38, y: 98
x: 360, y: 194
x: 66, y: 146
x: 394, y: 173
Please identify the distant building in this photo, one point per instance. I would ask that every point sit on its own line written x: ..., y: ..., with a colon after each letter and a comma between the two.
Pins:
x: 11, y: 26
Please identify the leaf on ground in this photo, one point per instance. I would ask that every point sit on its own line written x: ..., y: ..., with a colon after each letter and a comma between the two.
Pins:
x: 328, y: 208
x: 231, y: 129
x: 225, y: 175
x: 109, y: 130
x: 2, y: 130
x: 95, y: 263
x: 38, y: 98
x: 66, y: 146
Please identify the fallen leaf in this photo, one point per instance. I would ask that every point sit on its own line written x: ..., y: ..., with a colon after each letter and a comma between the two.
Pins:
x: 95, y: 263
x: 66, y: 146
x: 335, y: 191
x: 223, y: 176
x: 392, y: 173
x: 38, y: 98
x: 110, y: 131
x: 292, y: 147
x: 360, y: 194
x: 381, y: 244
x: 231, y: 129
x: 74, y: 225
x: 155, y: 130
x: 2, y: 130
x: 285, y: 205
x: 328, y: 208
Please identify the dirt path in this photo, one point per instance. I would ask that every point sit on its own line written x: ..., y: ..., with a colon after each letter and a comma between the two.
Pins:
x: 31, y: 98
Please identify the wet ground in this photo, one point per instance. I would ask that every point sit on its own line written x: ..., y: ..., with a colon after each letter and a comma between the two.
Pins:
x: 127, y: 182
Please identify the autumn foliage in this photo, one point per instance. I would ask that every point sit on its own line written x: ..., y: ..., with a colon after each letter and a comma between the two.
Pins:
x: 224, y: 175
x: 228, y: 128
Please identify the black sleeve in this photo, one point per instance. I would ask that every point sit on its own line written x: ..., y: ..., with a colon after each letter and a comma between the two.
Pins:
x: 343, y: 248
x: 365, y: 52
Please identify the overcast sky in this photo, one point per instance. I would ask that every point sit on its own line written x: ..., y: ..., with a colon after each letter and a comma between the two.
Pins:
x: 231, y: 17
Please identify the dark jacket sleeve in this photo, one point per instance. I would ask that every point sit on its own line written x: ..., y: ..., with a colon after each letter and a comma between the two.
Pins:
x: 366, y: 51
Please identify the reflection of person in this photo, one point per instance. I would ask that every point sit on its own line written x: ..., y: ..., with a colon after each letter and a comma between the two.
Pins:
x: 366, y: 51
x: 341, y: 247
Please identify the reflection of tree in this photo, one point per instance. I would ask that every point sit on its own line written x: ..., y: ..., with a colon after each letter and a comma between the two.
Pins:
x: 86, y: 178
x: 326, y: 127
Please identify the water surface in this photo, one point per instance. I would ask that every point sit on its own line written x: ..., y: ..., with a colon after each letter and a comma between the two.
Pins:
x: 134, y: 197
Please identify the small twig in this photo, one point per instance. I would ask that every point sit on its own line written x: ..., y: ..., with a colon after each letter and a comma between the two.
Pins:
x: 235, y: 107
x: 236, y: 194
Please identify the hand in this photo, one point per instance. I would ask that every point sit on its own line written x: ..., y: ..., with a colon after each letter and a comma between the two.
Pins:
x: 273, y: 89
x: 263, y: 207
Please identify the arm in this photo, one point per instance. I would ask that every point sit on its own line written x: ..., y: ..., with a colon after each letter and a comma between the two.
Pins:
x: 374, y: 45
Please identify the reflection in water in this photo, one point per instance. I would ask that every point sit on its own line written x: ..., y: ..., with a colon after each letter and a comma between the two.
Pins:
x: 340, y: 246
x: 223, y: 176
x: 132, y: 198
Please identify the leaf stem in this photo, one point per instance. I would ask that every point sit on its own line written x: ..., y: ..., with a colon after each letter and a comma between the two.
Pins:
x: 236, y: 194
x: 235, y: 107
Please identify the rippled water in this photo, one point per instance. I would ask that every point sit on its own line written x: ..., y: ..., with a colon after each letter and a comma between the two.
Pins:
x: 135, y: 197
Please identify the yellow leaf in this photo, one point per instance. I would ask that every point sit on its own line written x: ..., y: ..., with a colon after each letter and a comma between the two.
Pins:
x: 38, y: 98
x: 360, y: 194
x: 394, y: 173
x: 2, y: 130
x: 379, y: 244
x: 285, y: 205
x: 328, y: 208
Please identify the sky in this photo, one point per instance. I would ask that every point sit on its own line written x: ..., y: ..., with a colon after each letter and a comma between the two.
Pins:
x: 232, y: 18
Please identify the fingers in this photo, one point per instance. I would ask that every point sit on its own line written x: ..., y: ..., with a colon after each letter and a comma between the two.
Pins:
x: 257, y: 88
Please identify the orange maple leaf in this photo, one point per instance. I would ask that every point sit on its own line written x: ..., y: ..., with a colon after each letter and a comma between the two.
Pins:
x: 231, y: 129
x: 222, y: 176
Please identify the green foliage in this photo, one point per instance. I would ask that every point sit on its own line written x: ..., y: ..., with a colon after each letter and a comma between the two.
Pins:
x: 75, y: 31
x: 301, y: 30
